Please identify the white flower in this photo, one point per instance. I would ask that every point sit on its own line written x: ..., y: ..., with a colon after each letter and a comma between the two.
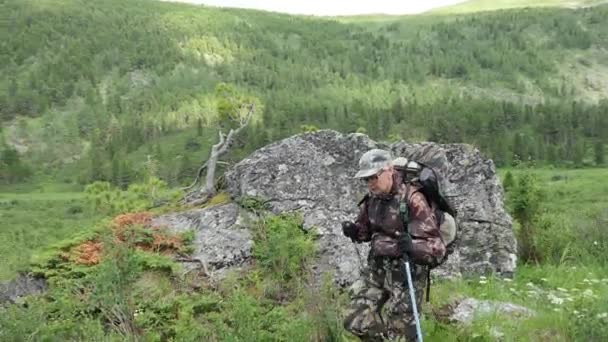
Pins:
x: 595, y: 281
x: 508, y: 280
x: 482, y: 282
x: 543, y: 279
x: 605, y: 280
x: 532, y: 293
x: 595, y: 243
x: 575, y: 312
x: 602, y: 315
x: 512, y: 289
x: 586, y: 281
x: 482, y: 277
x: 588, y: 293
x: 562, y: 289
x: 530, y: 284
x: 555, y: 299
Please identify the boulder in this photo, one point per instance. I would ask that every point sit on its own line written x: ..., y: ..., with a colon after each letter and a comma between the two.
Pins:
x: 312, y: 173
x: 220, y: 238
x: 23, y: 285
x: 466, y: 310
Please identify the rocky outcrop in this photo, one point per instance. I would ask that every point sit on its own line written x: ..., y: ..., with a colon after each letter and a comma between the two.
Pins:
x: 312, y: 173
x: 22, y: 286
x: 468, y: 309
x: 221, y: 238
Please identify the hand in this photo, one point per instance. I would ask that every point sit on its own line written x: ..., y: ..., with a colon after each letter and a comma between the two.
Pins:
x: 405, y: 245
x: 350, y: 230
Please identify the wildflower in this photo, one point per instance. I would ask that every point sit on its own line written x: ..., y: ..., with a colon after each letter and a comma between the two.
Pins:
x: 530, y: 284
x: 532, y: 293
x: 588, y: 293
x: 595, y: 281
x: 555, y: 299
x: 543, y: 279
x: 482, y: 277
x: 595, y: 243
x: 562, y: 289
x: 575, y: 312
x: 482, y: 282
x: 508, y: 280
x: 602, y: 315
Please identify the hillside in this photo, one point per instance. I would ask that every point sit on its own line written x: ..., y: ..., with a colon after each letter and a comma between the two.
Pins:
x: 493, y: 5
x: 92, y: 88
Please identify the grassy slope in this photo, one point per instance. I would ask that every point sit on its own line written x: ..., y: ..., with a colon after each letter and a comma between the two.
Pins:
x: 493, y: 5
x: 569, y: 296
x: 30, y: 222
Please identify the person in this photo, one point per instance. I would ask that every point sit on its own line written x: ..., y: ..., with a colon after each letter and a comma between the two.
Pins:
x: 383, y: 223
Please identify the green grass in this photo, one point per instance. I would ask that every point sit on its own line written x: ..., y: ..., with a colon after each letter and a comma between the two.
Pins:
x: 568, y: 291
x: 493, y: 5
x: 568, y: 301
x: 29, y: 222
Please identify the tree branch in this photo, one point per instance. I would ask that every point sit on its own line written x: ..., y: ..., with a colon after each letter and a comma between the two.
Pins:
x: 225, y: 142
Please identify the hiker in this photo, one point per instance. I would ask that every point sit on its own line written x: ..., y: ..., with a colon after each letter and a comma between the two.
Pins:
x: 381, y: 222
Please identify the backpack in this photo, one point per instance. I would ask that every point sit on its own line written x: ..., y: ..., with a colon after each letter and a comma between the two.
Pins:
x: 430, y: 181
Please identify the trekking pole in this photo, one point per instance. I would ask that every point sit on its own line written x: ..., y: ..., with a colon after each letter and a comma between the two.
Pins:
x: 359, y: 256
x: 413, y: 299
x: 407, y: 239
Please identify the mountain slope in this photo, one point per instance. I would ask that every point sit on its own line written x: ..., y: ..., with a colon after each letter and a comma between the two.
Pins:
x: 493, y: 5
x: 89, y: 82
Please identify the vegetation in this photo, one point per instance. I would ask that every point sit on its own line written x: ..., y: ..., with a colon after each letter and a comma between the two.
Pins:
x: 107, y: 106
x: 134, y: 290
x: 492, y: 5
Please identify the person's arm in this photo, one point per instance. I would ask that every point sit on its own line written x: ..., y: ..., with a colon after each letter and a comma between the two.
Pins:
x: 364, y: 233
x: 427, y: 246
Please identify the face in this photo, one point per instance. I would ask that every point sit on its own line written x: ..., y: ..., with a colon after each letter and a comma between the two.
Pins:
x: 380, y: 183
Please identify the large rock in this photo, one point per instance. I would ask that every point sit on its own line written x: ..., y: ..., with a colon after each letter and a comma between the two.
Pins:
x: 312, y: 173
x: 221, y: 238
x: 23, y: 285
x: 468, y: 309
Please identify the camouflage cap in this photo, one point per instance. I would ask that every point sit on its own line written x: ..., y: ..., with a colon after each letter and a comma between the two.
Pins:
x: 372, y: 162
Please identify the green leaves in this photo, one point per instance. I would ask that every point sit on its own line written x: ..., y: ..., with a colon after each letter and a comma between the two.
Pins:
x: 109, y: 200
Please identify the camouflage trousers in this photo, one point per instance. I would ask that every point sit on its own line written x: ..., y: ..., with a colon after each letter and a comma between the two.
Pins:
x: 381, y: 307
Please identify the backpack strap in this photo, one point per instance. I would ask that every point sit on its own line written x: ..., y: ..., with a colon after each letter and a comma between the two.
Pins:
x: 364, y: 199
x: 404, y: 212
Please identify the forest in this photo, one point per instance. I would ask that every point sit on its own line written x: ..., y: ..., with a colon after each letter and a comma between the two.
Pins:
x: 95, y: 90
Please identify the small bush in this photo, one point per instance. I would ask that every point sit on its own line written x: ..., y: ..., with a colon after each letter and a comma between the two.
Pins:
x: 282, y: 248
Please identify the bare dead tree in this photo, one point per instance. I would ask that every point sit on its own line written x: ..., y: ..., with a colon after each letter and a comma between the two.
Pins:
x: 204, y: 193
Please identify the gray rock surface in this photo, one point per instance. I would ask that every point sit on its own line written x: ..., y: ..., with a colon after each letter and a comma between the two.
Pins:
x: 312, y: 173
x: 221, y: 239
x: 23, y: 285
x: 469, y: 308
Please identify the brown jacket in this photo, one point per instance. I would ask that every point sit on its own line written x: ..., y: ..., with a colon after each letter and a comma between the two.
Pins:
x: 380, y: 222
